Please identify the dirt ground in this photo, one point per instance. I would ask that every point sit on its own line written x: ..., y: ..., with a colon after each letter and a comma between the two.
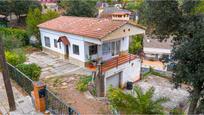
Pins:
x: 84, y: 103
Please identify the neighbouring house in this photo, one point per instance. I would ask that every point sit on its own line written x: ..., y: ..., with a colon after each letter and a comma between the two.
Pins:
x: 94, y: 42
x: 49, y: 5
x: 114, y: 13
x: 157, y: 52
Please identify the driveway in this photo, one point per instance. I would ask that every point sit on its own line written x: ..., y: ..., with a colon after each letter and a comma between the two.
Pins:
x: 164, y: 88
x: 54, y: 66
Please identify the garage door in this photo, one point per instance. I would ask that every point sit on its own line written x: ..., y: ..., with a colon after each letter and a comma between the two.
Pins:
x: 113, y: 81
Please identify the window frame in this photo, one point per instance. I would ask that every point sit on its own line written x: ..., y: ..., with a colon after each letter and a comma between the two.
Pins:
x: 55, y: 43
x: 75, y: 49
x: 93, y: 49
x: 47, y: 44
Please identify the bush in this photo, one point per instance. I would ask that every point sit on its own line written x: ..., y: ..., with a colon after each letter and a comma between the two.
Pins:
x: 176, y: 111
x: 82, y: 84
x: 31, y: 70
x: 14, y: 38
x: 15, y: 57
x: 136, y: 44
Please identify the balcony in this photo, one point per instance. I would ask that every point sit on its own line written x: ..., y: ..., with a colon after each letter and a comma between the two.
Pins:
x: 114, y: 62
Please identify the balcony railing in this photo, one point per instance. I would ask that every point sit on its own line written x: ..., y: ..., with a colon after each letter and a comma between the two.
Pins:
x: 115, y: 62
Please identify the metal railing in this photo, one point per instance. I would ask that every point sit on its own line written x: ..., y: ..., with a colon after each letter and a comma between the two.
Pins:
x: 20, y: 78
x: 53, y: 103
x: 57, y: 106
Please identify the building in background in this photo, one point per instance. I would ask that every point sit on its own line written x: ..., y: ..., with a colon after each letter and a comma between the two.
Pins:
x: 157, y: 54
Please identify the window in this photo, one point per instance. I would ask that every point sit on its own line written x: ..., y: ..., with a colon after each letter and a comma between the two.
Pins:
x: 60, y: 46
x: 55, y: 43
x: 47, y: 41
x: 92, y: 49
x: 75, y: 49
x: 106, y: 48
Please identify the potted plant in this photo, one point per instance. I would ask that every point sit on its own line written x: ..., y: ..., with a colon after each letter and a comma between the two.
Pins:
x: 90, y: 64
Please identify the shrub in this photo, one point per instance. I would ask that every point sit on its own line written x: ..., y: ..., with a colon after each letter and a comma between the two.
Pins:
x: 82, y: 84
x: 136, y: 44
x: 15, y: 57
x: 14, y: 38
x: 31, y: 70
x: 176, y: 111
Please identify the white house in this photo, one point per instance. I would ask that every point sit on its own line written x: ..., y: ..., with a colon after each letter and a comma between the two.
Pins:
x: 81, y: 40
x: 155, y: 49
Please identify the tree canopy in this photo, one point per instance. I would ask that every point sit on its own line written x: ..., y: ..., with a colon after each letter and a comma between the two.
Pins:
x: 18, y: 7
x: 184, y: 21
x: 84, y: 8
x: 35, y: 17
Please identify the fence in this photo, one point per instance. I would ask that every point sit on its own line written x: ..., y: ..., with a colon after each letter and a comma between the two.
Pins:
x: 57, y: 106
x: 163, y: 73
x: 53, y: 103
x: 21, y: 79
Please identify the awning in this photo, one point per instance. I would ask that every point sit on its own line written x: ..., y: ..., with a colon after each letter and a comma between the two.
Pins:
x: 64, y: 40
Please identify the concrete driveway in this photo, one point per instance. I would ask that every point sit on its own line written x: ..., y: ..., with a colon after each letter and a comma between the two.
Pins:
x: 54, y: 66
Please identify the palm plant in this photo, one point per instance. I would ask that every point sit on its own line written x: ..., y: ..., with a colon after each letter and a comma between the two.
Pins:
x: 137, y: 103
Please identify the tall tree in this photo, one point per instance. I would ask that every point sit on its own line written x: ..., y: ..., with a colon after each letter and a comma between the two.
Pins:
x: 184, y: 21
x: 84, y: 8
x: 35, y: 17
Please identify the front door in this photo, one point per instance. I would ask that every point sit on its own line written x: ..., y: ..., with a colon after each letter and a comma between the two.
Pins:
x: 67, y: 51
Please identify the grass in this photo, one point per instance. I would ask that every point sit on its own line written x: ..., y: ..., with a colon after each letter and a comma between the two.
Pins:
x: 153, y: 72
x: 82, y: 84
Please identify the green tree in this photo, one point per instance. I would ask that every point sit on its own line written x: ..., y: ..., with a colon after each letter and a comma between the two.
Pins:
x: 183, y: 20
x: 35, y: 17
x: 5, y: 7
x: 136, y: 44
x: 134, y: 5
x: 18, y: 7
x: 138, y: 103
x: 84, y: 8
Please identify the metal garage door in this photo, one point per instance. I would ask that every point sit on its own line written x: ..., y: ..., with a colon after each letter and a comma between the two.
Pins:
x: 113, y: 81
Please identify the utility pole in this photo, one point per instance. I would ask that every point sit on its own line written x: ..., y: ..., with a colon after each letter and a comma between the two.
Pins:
x: 6, y: 79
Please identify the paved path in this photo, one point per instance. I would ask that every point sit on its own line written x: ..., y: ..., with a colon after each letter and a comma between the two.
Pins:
x: 54, y: 66
x: 23, y: 101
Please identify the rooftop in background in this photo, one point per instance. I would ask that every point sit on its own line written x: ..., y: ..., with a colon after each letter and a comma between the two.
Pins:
x: 84, y: 26
x: 108, y: 11
x: 150, y: 42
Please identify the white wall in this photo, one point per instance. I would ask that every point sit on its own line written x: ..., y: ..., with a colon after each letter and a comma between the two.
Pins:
x: 74, y: 39
x: 124, y: 44
x: 130, y: 71
x: 156, y: 50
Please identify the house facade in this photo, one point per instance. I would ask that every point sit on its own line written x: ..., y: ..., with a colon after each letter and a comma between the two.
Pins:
x: 157, y: 54
x: 155, y: 49
x: 104, y: 42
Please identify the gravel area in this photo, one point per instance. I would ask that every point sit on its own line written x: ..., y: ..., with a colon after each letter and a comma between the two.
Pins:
x: 164, y: 88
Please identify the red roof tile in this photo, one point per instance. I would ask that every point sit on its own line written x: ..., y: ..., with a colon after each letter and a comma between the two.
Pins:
x: 83, y: 26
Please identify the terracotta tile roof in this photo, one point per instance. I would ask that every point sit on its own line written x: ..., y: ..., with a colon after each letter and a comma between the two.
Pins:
x: 83, y: 26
